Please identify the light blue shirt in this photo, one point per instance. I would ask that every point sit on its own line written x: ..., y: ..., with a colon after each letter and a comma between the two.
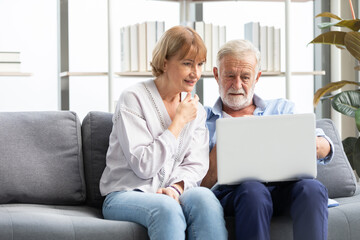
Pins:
x: 263, y: 107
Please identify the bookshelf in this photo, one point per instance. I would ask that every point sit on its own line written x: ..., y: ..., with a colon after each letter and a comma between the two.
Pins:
x: 189, y: 11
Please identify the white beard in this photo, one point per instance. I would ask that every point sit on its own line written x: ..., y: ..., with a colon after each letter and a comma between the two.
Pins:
x: 239, y: 101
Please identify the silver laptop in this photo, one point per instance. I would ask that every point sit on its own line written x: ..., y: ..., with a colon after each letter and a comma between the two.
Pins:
x: 266, y: 148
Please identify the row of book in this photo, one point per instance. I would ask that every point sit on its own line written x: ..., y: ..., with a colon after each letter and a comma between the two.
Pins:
x: 214, y: 36
x: 138, y: 41
x: 268, y: 40
x: 10, y: 62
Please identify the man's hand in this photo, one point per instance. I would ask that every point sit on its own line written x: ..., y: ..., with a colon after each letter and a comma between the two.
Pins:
x: 211, y: 177
x: 322, y: 147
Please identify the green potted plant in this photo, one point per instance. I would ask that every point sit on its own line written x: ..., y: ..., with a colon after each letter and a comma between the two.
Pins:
x: 345, y: 102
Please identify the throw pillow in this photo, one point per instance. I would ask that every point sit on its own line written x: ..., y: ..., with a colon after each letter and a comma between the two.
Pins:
x: 337, y: 176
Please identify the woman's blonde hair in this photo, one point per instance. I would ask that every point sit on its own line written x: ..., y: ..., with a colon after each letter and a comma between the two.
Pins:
x: 178, y: 38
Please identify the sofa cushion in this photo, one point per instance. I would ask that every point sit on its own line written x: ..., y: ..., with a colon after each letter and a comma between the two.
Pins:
x: 41, y: 158
x: 44, y: 222
x: 337, y: 176
x: 96, y: 129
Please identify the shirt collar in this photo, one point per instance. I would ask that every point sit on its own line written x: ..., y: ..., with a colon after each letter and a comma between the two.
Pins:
x: 260, y: 105
x: 217, y: 109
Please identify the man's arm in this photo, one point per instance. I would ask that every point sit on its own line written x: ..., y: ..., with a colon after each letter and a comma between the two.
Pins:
x: 211, y: 176
x: 322, y: 147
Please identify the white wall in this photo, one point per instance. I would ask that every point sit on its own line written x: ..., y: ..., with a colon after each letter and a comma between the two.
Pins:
x: 30, y: 27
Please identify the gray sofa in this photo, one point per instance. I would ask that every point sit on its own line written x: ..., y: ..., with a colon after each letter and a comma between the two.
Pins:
x: 50, y: 166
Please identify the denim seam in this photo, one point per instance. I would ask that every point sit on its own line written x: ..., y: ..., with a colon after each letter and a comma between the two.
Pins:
x: 191, y: 228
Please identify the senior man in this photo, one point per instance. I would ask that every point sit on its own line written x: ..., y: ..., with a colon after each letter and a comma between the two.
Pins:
x: 253, y: 203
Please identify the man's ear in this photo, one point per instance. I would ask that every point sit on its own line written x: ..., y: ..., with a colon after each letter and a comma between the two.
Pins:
x: 216, y: 73
x: 258, y: 76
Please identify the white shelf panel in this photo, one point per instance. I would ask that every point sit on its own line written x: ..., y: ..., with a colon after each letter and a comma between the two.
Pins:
x: 15, y: 74
x: 81, y: 74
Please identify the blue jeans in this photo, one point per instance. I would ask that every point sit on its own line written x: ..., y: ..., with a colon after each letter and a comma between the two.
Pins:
x: 199, y: 216
x: 253, y: 204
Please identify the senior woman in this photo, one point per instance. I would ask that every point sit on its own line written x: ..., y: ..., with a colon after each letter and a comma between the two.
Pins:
x: 158, y: 148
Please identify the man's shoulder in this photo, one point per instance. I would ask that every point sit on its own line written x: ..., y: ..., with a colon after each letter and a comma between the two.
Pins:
x: 280, y: 106
x: 278, y: 101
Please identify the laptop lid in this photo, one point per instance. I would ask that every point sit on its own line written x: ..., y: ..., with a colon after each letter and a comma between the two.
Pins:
x: 272, y: 148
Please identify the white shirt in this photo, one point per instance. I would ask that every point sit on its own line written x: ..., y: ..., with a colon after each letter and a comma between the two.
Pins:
x: 143, y: 154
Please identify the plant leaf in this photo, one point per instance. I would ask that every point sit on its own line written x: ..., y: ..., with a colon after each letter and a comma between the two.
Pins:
x: 347, y: 102
x: 353, y: 24
x: 328, y: 14
x: 356, y: 156
x: 349, y: 144
x: 332, y: 37
x: 357, y: 119
x: 352, y: 43
x: 324, y: 25
x: 329, y: 88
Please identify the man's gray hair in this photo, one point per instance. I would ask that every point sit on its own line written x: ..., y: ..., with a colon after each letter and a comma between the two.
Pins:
x: 238, y: 49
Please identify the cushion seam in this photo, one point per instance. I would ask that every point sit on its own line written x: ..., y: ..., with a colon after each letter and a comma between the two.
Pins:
x: 11, y: 221
x: 79, y: 157
x: 92, y: 187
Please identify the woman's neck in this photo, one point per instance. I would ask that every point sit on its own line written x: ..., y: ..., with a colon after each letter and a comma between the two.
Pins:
x: 165, y: 90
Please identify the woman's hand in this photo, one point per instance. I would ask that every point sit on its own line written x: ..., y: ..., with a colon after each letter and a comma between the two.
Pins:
x: 173, y: 191
x: 170, y: 192
x: 185, y: 112
x: 187, y: 109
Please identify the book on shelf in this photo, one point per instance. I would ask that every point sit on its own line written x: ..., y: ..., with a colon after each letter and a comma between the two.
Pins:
x: 222, y: 35
x: 9, y: 56
x: 277, y: 50
x: 263, y: 47
x: 208, y: 43
x: 160, y: 29
x: 215, y: 44
x: 142, y: 47
x: 10, y: 66
x: 125, y: 48
x: 270, y: 48
x: 189, y: 24
x: 150, y: 42
x: 252, y: 33
x: 134, y: 45
x: 199, y: 27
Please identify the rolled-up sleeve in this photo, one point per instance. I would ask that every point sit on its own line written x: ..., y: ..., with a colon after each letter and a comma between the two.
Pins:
x: 328, y: 158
